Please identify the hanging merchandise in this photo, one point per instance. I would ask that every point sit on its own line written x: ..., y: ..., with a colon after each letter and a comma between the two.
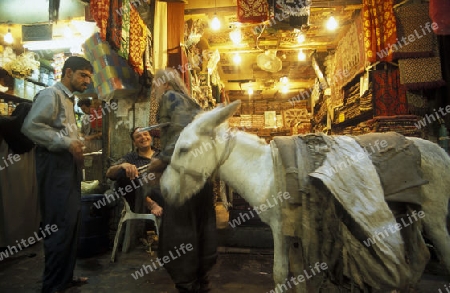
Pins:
x: 22, y: 66
x: 408, y: 17
x: 386, y: 85
x: 380, y: 32
x: 112, y: 74
x: 115, y: 25
x: 252, y: 11
x: 99, y: 10
x: 138, y: 38
x: 293, y: 12
x: 439, y: 12
x: 421, y: 73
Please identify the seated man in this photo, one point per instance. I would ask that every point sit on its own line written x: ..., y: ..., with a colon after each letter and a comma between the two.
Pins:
x: 126, y: 169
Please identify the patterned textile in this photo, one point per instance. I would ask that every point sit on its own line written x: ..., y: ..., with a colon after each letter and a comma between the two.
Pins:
x: 421, y: 73
x: 99, y: 10
x: 295, y: 13
x: 415, y: 36
x: 137, y: 43
x: 417, y: 103
x: 252, y: 11
x: 379, y: 29
x: 115, y: 25
x: 350, y: 57
x: 389, y: 95
x: 403, y: 124
x: 439, y: 12
x: 125, y: 39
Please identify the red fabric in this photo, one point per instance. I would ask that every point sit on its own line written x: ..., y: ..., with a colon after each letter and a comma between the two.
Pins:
x: 138, y: 38
x: 389, y: 95
x: 99, y: 10
x: 380, y: 31
x: 252, y: 11
x: 96, y: 119
x: 440, y: 14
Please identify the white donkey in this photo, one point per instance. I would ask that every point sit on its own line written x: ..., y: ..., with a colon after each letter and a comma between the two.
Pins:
x: 245, y: 163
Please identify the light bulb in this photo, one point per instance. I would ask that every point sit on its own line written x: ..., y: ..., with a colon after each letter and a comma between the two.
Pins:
x: 301, y: 56
x: 250, y: 91
x: 68, y: 33
x: 236, y: 36
x: 215, y: 23
x: 8, y: 38
x: 332, y: 23
x: 237, y: 59
x: 300, y: 38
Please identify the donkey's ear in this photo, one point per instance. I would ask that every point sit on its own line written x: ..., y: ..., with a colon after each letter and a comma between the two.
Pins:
x: 218, y: 115
x: 228, y: 111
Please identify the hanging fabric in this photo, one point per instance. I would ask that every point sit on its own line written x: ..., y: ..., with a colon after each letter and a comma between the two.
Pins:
x: 414, y: 33
x: 421, y: 73
x: 99, y: 10
x: 160, y: 35
x: 125, y: 39
x: 115, y: 25
x: 389, y: 95
x: 252, y: 11
x: 439, y: 12
x: 137, y: 41
x: 380, y: 31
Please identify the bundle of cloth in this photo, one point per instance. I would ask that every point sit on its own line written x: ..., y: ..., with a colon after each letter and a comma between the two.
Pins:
x: 346, y: 195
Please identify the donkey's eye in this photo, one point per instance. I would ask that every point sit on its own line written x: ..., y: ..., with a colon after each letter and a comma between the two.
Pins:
x: 184, y: 150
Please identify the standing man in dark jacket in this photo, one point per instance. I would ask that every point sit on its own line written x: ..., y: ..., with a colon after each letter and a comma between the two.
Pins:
x: 193, y: 223
x: 52, y: 126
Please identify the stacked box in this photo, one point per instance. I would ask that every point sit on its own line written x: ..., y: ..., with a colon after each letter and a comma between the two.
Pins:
x: 112, y: 74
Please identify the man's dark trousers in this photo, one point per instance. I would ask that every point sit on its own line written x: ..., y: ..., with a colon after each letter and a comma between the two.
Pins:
x: 59, y: 188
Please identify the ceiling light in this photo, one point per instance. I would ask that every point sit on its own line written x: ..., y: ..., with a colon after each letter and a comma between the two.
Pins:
x: 215, y: 23
x: 301, y: 56
x: 8, y: 38
x: 332, y: 23
x: 236, y: 36
x: 68, y: 33
x: 285, y: 89
x: 250, y: 91
x: 300, y: 38
x: 237, y: 59
x: 51, y: 44
x: 284, y: 79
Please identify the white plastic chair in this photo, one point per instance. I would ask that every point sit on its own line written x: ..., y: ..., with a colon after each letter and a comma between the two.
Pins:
x: 127, y: 215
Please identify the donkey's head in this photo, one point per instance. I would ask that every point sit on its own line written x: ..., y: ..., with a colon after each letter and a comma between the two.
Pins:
x: 200, y: 150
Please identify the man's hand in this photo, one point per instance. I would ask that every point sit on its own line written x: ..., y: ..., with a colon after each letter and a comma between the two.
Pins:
x: 130, y: 170
x: 154, y: 208
x: 156, y: 166
x: 76, y: 149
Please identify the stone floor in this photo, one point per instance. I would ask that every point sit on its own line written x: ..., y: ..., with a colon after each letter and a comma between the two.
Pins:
x: 238, y: 270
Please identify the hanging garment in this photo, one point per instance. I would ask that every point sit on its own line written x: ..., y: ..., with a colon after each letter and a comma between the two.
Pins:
x: 99, y: 10
x: 137, y: 39
x: 380, y: 29
x: 252, y: 11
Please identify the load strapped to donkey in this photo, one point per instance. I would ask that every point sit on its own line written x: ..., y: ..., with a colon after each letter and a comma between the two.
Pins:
x: 356, y: 211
